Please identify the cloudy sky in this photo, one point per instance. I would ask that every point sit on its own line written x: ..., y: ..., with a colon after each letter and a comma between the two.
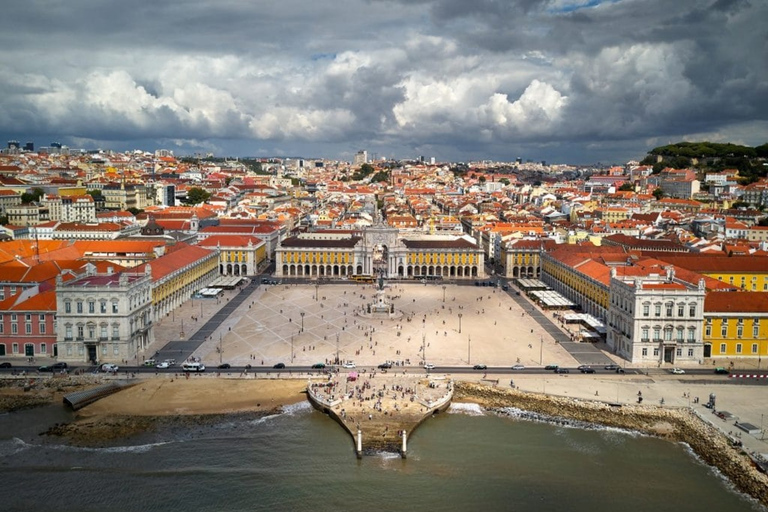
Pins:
x: 576, y: 81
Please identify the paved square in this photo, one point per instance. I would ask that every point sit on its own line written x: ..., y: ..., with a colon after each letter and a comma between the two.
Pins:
x: 283, y: 319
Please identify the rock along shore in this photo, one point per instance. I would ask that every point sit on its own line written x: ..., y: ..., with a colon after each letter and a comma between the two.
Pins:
x: 679, y: 425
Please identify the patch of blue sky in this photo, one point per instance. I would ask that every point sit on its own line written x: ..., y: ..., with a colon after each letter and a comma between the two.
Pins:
x: 566, y: 6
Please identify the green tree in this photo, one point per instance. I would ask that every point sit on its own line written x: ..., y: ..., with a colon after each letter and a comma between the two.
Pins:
x: 197, y: 195
x: 504, y: 181
x: 627, y: 187
x: 135, y: 211
x: 481, y: 179
x: 33, y: 195
x: 3, y: 220
x: 658, y: 193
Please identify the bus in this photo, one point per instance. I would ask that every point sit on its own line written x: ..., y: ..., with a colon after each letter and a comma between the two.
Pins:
x: 193, y: 367
x: 428, y: 278
x: 363, y: 278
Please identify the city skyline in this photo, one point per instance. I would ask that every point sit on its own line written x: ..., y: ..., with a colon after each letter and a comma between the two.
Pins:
x: 566, y: 81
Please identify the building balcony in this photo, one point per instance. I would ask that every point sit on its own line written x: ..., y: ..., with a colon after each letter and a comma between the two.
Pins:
x: 67, y: 338
x: 80, y: 338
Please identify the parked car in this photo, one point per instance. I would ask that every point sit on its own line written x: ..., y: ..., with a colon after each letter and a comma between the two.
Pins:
x: 582, y: 366
x: 587, y: 370
x: 677, y: 371
x: 109, y: 368
x: 551, y: 367
x: 620, y: 370
x: 505, y: 287
x: 518, y: 367
x: 225, y: 366
x: 55, y: 367
x: 429, y: 366
x: 163, y: 365
x: 149, y: 362
x: 385, y: 366
x: 480, y: 367
x: 279, y: 366
x: 5, y: 364
x: 721, y: 371
x: 611, y: 367
x: 318, y: 366
x: 348, y: 364
x: 562, y: 370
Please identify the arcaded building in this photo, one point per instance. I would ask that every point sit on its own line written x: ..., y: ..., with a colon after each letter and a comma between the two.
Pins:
x: 379, y: 250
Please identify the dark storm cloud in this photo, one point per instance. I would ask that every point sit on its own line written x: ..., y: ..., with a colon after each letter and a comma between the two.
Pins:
x: 576, y: 79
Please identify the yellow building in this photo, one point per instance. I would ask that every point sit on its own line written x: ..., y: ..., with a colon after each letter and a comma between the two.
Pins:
x: 736, y: 325
x: 179, y: 274
x: 377, y: 250
x: 750, y: 273
x: 238, y: 255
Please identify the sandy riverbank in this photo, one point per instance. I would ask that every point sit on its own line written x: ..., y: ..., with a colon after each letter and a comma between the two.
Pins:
x: 680, y: 425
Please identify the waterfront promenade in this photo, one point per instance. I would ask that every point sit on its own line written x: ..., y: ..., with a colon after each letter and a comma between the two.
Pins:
x: 380, y: 410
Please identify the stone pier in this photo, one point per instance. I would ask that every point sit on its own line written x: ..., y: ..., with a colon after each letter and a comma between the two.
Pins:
x: 380, y: 406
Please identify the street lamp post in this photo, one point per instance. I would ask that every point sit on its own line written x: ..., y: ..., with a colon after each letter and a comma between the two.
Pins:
x: 460, y: 315
x: 424, y: 347
x: 443, y: 293
x: 302, y: 321
x: 221, y: 350
x: 469, y: 349
x: 541, y: 350
x: 317, y: 291
x: 337, y: 348
x: 291, y: 348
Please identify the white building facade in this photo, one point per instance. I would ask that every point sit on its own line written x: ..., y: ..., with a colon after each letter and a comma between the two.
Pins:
x: 656, y: 319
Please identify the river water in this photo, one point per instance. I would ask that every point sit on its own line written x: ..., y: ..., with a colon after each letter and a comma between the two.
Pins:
x: 301, y: 460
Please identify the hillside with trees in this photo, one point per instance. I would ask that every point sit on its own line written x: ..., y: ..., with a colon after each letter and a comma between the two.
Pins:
x: 711, y: 156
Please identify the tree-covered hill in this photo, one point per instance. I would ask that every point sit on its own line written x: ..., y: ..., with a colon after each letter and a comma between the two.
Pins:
x: 711, y: 156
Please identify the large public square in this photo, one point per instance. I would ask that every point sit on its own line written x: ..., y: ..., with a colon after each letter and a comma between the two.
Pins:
x: 453, y: 325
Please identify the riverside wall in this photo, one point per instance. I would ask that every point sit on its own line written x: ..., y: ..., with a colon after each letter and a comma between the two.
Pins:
x: 679, y: 425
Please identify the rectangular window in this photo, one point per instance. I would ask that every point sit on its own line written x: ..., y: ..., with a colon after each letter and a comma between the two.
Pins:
x: 679, y: 352
x: 708, y: 328
x: 690, y: 352
x: 27, y: 317
x: 738, y: 348
x: 27, y: 328
x: 79, y: 307
x: 691, y: 334
x: 41, y: 317
x: 43, y: 348
x: 755, y: 328
x: 114, y: 307
x: 724, y: 329
x: 645, y: 352
x: 15, y: 348
x: 646, y: 310
x: 754, y: 348
x: 680, y: 335
x: 103, y: 307
x: 722, y: 348
x: 115, y: 349
x: 68, y: 331
x: 69, y: 350
x: 115, y: 332
x: 67, y: 307
x: 668, y: 334
x: 644, y: 334
x: 104, y: 349
x: 41, y: 327
x: 656, y: 352
x: 680, y: 309
x: 14, y: 328
x: 692, y: 310
x: 657, y: 310
x: 91, y: 307
x: 669, y: 309
x: 739, y: 330
x: 80, y: 332
x: 656, y: 333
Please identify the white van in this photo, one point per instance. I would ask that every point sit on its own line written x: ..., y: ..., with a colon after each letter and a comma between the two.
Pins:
x: 193, y: 367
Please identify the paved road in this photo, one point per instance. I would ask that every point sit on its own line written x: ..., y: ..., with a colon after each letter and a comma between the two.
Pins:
x: 584, y: 353
x: 180, y: 350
